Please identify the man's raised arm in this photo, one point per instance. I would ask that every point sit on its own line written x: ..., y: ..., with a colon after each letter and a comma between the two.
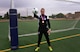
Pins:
x: 36, y: 16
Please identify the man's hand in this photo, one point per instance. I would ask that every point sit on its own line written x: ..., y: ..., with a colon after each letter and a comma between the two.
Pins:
x: 49, y: 31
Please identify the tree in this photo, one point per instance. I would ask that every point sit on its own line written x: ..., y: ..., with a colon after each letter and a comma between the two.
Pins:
x: 30, y: 17
x: 60, y: 15
x: 0, y: 17
x: 19, y: 15
x: 52, y: 16
x: 6, y: 16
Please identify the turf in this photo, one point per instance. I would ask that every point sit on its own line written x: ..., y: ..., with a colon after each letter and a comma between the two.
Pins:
x: 25, y: 27
x: 67, y: 45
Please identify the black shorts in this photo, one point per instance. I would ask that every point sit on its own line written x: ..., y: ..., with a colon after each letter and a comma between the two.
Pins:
x: 42, y: 29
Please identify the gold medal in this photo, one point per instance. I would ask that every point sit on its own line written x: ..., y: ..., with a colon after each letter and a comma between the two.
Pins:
x: 42, y: 21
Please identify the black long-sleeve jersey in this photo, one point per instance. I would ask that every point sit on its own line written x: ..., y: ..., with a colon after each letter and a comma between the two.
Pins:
x: 44, y: 22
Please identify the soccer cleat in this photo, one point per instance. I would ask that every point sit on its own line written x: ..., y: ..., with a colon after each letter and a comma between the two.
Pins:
x: 50, y: 48
x: 37, y: 49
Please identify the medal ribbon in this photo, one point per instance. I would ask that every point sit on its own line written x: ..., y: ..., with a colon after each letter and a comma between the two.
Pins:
x: 42, y: 18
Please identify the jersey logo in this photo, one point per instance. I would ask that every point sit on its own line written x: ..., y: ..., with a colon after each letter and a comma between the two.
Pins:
x: 44, y: 18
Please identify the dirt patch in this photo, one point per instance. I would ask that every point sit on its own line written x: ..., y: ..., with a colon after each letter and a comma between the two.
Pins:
x: 61, y: 19
x: 4, y: 20
x: 58, y: 18
x: 7, y: 20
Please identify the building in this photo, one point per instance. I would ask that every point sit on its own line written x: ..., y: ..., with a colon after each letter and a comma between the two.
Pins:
x: 70, y: 16
x: 77, y: 14
x: 73, y: 16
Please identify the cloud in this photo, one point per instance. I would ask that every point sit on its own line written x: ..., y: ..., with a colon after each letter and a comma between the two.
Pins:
x: 51, y: 6
x: 4, y: 3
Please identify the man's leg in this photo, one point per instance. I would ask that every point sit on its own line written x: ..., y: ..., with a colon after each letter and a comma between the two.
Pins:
x: 48, y: 41
x: 39, y: 40
x: 47, y: 38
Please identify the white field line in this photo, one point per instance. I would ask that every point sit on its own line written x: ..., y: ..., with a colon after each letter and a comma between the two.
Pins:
x: 51, y: 32
x: 77, y: 28
x: 53, y: 40
x: 76, y: 23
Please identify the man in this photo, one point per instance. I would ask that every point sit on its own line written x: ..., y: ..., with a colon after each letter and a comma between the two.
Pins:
x: 44, y: 28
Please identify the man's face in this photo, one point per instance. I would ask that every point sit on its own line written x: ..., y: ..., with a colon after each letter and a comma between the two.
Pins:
x: 42, y: 11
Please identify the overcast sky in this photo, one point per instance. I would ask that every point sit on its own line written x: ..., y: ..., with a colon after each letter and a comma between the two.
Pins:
x: 51, y: 6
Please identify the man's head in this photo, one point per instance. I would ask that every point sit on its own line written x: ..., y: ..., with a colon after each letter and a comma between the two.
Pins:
x: 42, y: 11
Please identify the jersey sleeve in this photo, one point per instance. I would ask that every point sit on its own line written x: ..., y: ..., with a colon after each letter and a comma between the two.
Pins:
x: 48, y: 23
x: 36, y: 16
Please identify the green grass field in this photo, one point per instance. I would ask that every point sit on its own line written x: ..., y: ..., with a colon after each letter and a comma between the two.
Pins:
x: 70, y: 44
